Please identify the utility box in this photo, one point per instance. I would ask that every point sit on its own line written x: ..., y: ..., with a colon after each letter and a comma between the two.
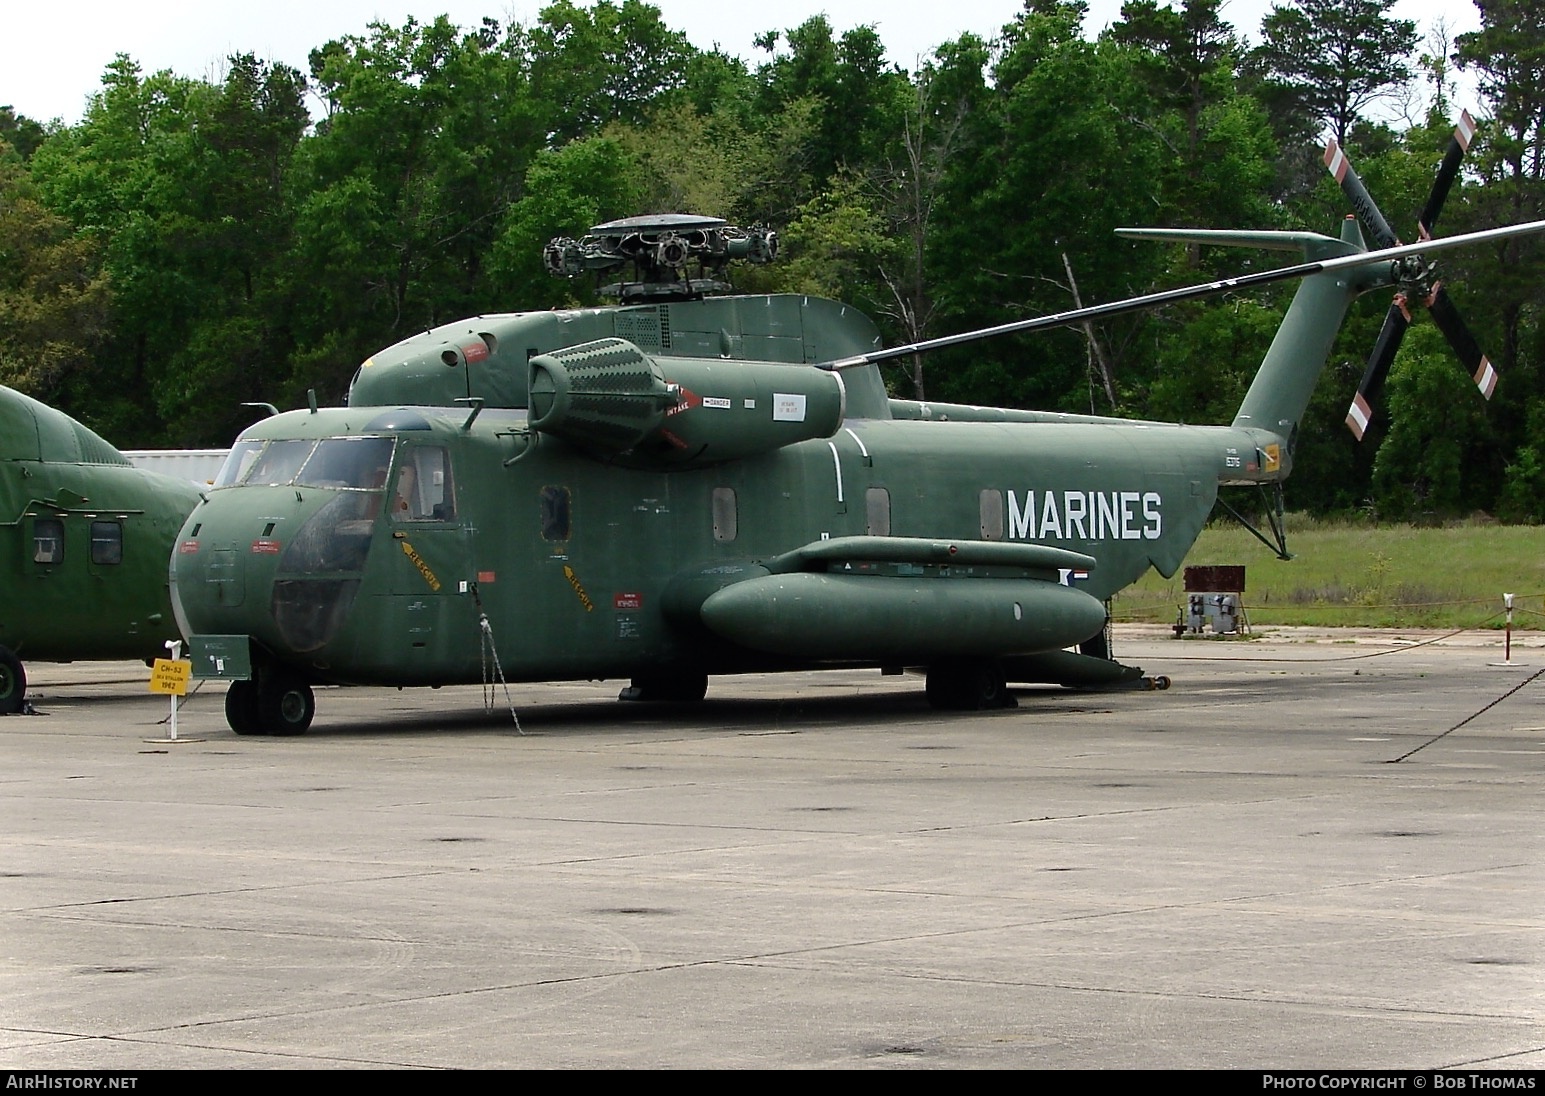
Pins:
x: 227, y: 657
x: 1214, y: 599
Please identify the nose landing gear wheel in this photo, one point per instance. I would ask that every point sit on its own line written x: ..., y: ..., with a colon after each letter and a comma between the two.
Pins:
x: 285, y: 703
x: 241, y: 708
x: 13, y: 683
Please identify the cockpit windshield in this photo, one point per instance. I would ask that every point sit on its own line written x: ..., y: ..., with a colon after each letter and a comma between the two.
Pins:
x: 359, y: 463
x: 339, y: 463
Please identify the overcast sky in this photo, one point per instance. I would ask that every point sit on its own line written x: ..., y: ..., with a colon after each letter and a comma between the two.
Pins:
x: 52, y: 58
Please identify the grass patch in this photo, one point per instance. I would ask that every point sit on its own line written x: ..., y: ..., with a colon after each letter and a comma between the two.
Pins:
x: 1347, y: 574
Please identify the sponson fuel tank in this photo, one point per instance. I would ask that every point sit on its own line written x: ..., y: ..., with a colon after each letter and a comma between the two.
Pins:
x: 837, y: 616
x: 865, y: 598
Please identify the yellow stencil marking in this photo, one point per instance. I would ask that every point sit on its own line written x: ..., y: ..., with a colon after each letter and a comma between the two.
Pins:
x: 423, y: 568
x: 584, y: 598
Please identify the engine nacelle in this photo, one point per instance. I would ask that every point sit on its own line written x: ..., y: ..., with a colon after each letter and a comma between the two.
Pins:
x: 612, y: 399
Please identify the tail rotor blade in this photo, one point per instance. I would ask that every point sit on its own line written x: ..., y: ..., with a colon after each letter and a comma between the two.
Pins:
x: 1448, y: 171
x: 1362, y: 202
x: 1416, y: 281
x: 1446, y: 316
x: 1384, y: 350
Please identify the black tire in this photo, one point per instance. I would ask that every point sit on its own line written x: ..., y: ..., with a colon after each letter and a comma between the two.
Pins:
x: 987, y: 687
x: 667, y: 689
x: 13, y: 683
x: 241, y: 708
x: 967, y: 685
x: 285, y: 703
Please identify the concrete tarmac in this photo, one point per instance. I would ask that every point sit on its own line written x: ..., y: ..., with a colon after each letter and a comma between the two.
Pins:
x: 804, y: 871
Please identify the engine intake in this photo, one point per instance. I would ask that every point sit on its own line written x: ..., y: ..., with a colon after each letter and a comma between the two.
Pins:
x: 610, y: 398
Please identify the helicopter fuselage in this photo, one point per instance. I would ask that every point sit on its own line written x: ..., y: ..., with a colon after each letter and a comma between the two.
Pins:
x: 588, y: 569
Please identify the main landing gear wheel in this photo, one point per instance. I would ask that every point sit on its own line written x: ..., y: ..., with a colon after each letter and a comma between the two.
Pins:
x: 666, y: 688
x: 968, y: 685
x: 13, y: 683
x: 241, y: 708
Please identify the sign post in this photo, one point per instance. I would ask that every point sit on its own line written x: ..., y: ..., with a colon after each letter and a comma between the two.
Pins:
x: 170, y: 676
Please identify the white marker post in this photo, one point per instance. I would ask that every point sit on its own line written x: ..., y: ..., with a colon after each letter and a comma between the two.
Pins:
x: 175, y: 647
x: 1507, y: 644
x: 170, y: 676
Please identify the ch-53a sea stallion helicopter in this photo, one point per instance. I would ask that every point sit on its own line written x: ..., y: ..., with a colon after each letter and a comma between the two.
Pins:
x: 683, y: 485
x: 84, y: 539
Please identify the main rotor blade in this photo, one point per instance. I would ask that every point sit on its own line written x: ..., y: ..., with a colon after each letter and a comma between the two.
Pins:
x: 1448, y: 171
x: 1362, y: 202
x: 1189, y: 293
x: 1446, y: 316
x: 1384, y: 351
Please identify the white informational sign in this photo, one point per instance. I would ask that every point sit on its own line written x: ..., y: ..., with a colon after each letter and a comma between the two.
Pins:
x: 788, y: 407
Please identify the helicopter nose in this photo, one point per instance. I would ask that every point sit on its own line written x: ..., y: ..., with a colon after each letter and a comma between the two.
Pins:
x: 310, y: 578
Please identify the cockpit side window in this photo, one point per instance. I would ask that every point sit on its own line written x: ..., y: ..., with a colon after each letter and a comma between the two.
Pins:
x: 424, y: 491
x: 244, y: 455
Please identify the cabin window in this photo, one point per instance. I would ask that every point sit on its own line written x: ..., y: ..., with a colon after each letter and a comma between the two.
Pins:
x: 992, y: 514
x: 48, y: 541
x: 726, y: 518
x: 877, y: 510
x: 106, y: 543
x: 555, y: 513
x: 424, y: 489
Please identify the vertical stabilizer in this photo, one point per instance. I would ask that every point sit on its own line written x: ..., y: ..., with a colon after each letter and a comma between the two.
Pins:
x: 1280, y: 393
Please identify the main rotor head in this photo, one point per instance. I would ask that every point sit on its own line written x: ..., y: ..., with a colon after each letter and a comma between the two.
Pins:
x: 663, y: 249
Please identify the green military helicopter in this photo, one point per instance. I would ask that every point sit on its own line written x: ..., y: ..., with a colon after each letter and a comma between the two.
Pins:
x: 84, y: 539
x: 684, y: 485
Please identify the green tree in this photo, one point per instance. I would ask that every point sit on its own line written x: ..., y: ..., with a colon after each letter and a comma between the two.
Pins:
x: 860, y: 98
x: 20, y: 132
x: 1062, y: 152
x: 906, y: 189
x: 429, y: 133
x: 53, y: 294
x: 1179, y: 54
x: 1433, y: 461
x: 568, y: 190
x: 183, y: 186
x: 610, y: 63
x: 1507, y: 56
x: 1332, y: 59
x: 1219, y: 169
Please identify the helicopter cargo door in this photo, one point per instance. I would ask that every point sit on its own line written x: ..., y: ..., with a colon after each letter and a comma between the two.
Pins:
x: 430, y: 626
